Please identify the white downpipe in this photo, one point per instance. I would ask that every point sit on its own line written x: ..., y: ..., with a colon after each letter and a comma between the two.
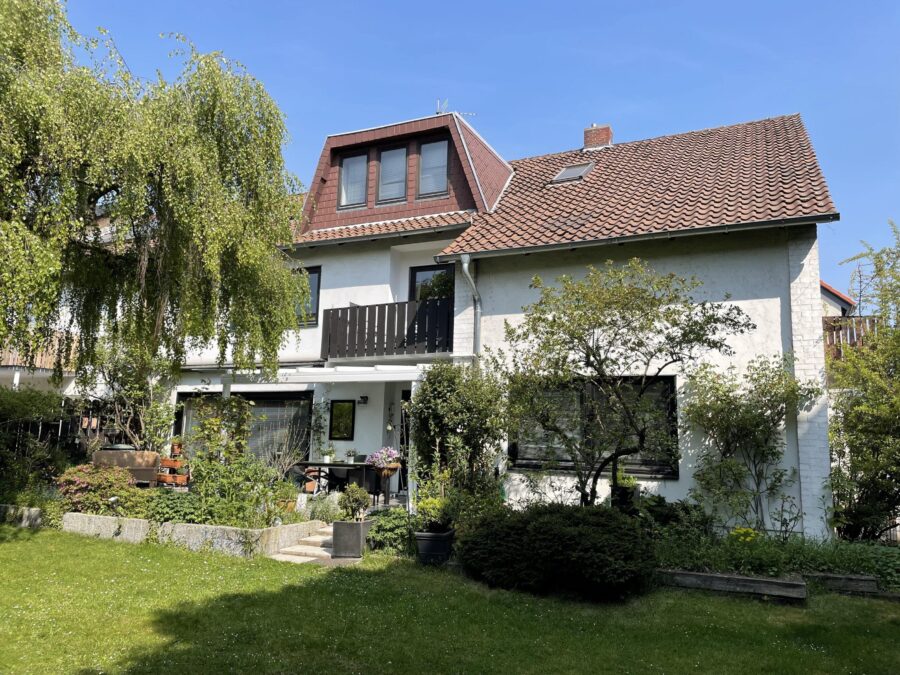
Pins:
x: 466, y: 260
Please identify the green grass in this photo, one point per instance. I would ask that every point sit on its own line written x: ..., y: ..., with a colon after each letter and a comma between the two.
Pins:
x: 72, y: 604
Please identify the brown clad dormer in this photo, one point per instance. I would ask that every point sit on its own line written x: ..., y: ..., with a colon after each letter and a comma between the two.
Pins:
x: 476, y: 175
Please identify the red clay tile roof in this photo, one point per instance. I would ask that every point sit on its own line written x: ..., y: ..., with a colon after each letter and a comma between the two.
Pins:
x: 418, y: 224
x: 835, y: 292
x: 751, y: 173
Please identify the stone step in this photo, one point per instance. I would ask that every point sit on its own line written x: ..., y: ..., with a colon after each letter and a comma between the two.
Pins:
x: 325, y: 531
x: 307, y: 551
x: 323, y: 540
x: 296, y: 559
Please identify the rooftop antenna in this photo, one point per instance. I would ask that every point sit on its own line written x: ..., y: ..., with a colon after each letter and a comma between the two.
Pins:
x: 441, y: 108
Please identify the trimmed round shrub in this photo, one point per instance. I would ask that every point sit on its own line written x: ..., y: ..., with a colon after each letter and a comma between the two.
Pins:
x: 594, y: 552
x: 102, y: 490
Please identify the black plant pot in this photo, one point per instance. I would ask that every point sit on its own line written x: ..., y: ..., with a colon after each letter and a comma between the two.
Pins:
x: 434, y: 547
x: 348, y: 539
x: 624, y: 498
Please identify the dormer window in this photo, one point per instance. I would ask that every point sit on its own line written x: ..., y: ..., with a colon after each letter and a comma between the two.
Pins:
x: 392, y: 175
x: 354, y: 171
x: 433, y: 169
x: 573, y: 172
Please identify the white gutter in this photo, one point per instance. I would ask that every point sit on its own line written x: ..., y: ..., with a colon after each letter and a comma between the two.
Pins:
x: 466, y: 259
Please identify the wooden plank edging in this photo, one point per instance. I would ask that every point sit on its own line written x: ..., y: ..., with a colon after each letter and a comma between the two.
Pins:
x: 782, y: 589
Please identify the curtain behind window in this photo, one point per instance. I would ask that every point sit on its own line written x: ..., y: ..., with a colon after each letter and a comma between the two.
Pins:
x: 433, y: 168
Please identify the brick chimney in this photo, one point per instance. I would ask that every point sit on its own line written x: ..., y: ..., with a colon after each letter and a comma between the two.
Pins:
x: 597, y: 137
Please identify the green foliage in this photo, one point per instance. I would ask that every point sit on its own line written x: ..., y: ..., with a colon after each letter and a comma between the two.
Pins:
x: 168, y: 506
x: 465, y: 508
x: 592, y: 552
x: 285, y: 491
x: 238, y: 492
x: 578, y: 340
x: 458, y: 421
x: 432, y: 515
x: 758, y: 555
x: 102, y: 490
x: 391, y: 531
x: 353, y: 502
x: 28, y: 404
x: 188, y: 178
x: 322, y: 507
x: 222, y: 428
x: 865, y: 420
x: 739, y: 476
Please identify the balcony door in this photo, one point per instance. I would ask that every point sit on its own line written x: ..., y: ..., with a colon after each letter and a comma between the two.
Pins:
x: 430, y: 282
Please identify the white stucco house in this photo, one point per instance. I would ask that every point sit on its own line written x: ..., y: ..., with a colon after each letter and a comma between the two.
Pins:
x: 421, y: 240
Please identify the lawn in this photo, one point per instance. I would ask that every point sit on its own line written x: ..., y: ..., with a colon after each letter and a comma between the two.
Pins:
x: 71, y: 604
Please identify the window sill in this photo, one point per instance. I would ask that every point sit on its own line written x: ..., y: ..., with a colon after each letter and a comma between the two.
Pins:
x: 642, y: 472
x: 431, y: 198
x: 352, y: 207
x: 390, y: 202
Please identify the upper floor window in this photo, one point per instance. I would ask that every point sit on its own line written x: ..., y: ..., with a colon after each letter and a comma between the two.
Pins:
x: 430, y: 282
x: 392, y: 175
x: 433, y: 168
x: 354, y: 171
x: 309, y: 315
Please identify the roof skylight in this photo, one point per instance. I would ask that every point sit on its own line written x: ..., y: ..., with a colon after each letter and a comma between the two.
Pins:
x: 573, y: 172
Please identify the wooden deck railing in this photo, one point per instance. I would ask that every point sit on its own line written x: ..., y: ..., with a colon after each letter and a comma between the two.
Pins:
x: 846, y: 331
x: 423, y: 327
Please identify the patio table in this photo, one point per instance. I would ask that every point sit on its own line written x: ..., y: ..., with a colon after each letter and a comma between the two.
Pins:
x: 349, y: 466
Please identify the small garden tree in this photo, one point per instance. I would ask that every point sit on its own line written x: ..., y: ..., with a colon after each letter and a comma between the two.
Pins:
x: 584, y: 366
x: 458, y: 421
x: 739, y: 475
x: 865, y: 425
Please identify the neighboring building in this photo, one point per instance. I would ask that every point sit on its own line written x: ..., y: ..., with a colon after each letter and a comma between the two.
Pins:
x: 835, y: 303
x: 405, y: 225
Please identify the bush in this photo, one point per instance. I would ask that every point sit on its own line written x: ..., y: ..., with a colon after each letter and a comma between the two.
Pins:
x: 168, y: 506
x: 354, y: 501
x: 322, y: 507
x: 102, y: 490
x: 391, y: 531
x: 592, y: 552
x: 759, y: 555
x: 237, y: 492
x: 465, y: 509
x: 432, y: 515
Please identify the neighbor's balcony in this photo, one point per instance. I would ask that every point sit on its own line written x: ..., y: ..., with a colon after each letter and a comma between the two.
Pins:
x: 389, y: 329
x: 846, y: 331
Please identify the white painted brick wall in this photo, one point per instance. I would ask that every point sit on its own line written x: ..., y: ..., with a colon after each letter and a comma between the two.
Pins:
x: 809, y: 364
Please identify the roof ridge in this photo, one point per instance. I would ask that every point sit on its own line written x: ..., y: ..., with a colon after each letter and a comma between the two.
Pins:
x: 664, y: 136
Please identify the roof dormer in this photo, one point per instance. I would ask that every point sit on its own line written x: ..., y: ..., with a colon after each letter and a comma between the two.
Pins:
x: 434, y: 165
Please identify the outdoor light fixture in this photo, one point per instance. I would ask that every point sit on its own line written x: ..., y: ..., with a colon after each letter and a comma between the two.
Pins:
x: 363, y: 400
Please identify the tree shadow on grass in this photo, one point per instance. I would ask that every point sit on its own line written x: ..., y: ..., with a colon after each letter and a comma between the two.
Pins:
x: 343, y: 620
x: 10, y: 533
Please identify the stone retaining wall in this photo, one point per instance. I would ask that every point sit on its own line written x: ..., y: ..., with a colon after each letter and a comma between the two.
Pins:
x: 20, y: 516
x: 235, y: 541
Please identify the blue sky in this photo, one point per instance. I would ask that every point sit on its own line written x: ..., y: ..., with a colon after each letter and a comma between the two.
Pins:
x: 536, y: 73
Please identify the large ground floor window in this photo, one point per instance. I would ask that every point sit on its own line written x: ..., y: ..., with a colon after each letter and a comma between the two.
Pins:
x: 536, y: 448
x: 281, y: 421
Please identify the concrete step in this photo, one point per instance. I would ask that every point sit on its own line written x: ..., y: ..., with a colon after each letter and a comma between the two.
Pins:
x: 296, y: 559
x: 323, y: 540
x: 307, y: 551
x: 325, y: 531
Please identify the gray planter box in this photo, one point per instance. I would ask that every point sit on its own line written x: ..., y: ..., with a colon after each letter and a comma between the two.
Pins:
x: 349, y: 538
x: 20, y: 516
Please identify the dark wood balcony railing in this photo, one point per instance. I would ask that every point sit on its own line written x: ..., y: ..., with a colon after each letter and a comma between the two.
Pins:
x: 846, y: 331
x: 423, y: 327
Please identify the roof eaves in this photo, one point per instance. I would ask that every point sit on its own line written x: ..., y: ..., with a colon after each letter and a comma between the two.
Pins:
x: 465, y: 145
x: 385, y: 126
x: 399, y: 234
x: 828, y: 288
x: 668, y: 234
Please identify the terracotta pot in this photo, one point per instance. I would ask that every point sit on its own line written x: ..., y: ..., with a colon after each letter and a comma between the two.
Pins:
x: 172, y: 478
x: 169, y: 463
x: 176, y: 449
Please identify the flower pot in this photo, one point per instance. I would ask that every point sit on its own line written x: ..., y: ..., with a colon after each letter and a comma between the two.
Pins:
x: 326, y: 459
x: 388, y: 470
x: 348, y: 539
x: 172, y: 478
x: 434, y: 547
x: 169, y: 463
x: 176, y: 449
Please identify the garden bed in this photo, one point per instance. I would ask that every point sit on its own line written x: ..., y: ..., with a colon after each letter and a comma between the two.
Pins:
x: 235, y: 541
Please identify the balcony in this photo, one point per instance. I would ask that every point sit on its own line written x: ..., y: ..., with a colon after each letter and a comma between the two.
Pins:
x: 389, y: 329
x: 842, y: 332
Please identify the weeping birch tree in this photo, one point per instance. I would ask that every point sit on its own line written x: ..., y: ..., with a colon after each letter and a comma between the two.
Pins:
x: 146, y: 212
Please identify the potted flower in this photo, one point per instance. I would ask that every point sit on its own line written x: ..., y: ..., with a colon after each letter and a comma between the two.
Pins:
x: 349, y: 534
x: 328, y: 454
x: 434, y: 536
x: 386, y: 462
x: 177, y: 446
